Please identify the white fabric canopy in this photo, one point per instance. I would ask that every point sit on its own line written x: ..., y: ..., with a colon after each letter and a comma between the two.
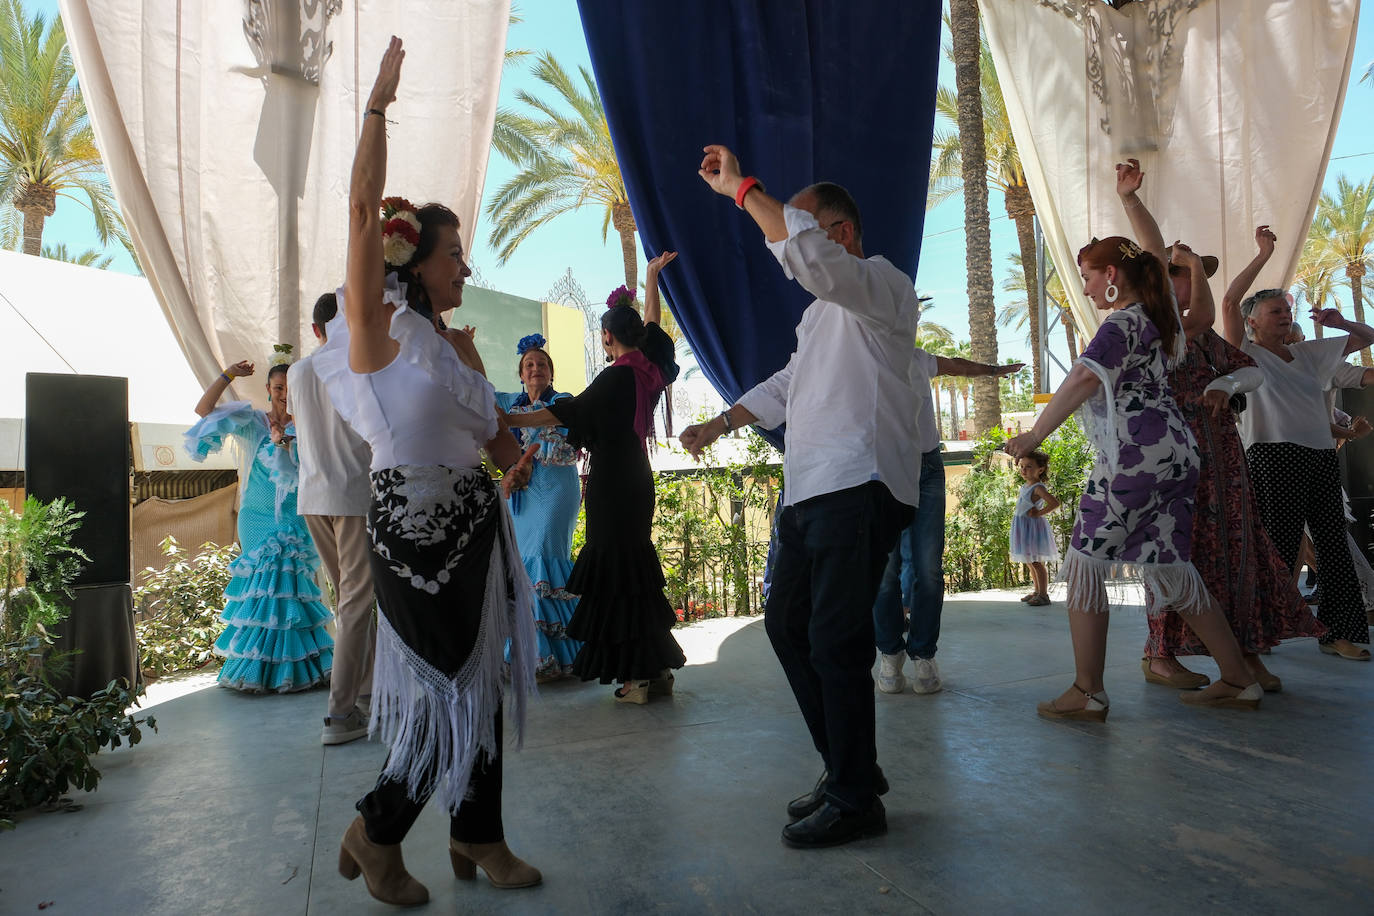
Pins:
x: 1230, y: 106
x: 228, y: 131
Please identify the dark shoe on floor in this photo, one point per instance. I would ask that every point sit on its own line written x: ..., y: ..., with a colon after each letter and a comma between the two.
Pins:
x: 830, y: 825
x: 803, y: 805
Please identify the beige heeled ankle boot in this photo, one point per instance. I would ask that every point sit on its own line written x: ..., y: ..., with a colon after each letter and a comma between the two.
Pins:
x: 504, y: 869
x: 381, y: 867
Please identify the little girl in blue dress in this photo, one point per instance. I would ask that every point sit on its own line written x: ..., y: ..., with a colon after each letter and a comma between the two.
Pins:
x: 1032, y: 541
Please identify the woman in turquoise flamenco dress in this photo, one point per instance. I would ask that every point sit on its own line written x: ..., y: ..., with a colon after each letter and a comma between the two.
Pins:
x: 275, y: 639
x: 545, y: 512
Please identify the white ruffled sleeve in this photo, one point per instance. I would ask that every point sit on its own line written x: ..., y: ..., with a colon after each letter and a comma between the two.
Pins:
x: 350, y: 392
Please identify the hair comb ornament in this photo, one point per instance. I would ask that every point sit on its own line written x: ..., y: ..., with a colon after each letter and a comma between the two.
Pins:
x: 1130, y: 249
x: 530, y: 342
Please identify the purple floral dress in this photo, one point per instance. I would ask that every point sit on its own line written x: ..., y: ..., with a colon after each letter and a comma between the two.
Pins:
x: 1135, y: 520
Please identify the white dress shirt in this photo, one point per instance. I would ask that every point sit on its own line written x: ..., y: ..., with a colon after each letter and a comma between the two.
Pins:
x: 846, y: 393
x: 924, y: 367
x: 334, y: 459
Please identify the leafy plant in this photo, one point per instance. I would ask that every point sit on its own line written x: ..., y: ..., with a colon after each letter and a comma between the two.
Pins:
x: 711, y: 529
x: 47, y: 740
x: 182, y: 603
x: 37, y: 565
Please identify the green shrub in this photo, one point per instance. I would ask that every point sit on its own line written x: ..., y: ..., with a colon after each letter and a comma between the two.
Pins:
x: 37, y: 565
x: 46, y: 739
x: 182, y: 603
x: 711, y: 531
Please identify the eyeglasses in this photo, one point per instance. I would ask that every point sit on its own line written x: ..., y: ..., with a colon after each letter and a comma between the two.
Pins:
x: 834, y: 224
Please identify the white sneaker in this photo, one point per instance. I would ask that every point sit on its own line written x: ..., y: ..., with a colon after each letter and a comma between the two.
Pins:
x: 890, y: 677
x: 343, y: 729
x: 927, y: 676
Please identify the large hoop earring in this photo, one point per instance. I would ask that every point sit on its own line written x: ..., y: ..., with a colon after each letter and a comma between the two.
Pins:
x: 1112, y: 292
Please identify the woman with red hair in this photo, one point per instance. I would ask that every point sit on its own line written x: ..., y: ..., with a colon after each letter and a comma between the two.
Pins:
x: 1135, y: 519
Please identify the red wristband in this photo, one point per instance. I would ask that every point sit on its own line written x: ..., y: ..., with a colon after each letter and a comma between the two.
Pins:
x: 744, y: 187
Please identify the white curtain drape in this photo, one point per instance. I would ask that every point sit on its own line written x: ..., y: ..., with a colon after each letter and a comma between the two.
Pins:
x: 1230, y: 106
x: 228, y: 131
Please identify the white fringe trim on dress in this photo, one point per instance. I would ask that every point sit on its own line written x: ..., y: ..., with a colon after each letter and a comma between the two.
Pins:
x: 1094, y: 583
x: 437, y: 726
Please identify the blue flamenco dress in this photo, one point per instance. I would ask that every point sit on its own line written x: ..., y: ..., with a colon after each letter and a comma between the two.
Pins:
x: 545, y: 514
x: 276, y: 638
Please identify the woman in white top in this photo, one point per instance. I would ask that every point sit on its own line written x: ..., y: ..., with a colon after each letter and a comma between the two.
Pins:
x: 1288, y: 444
x: 450, y: 585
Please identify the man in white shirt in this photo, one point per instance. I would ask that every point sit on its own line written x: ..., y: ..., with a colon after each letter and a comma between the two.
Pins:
x: 334, y: 496
x: 915, y: 569
x: 851, y: 472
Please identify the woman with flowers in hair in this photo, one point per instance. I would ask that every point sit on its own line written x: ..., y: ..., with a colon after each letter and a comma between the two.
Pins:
x: 622, y: 616
x: 545, y: 512
x: 1136, y: 514
x: 276, y: 638
x: 451, y: 590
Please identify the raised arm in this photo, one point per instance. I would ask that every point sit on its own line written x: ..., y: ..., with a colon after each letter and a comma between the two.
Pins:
x: 720, y: 170
x: 1361, y: 335
x: 211, y: 397
x: 653, y: 309
x: 1202, y: 310
x: 370, y: 347
x: 1232, y: 321
x: 1128, y: 180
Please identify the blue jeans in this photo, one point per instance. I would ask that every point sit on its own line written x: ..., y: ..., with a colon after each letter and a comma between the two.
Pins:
x: 914, y: 577
x: 831, y: 552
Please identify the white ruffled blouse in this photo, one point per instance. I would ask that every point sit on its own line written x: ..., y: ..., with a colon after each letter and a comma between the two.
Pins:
x: 425, y: 408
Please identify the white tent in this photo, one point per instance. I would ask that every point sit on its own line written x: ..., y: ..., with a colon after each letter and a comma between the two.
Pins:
x: 58, y: 317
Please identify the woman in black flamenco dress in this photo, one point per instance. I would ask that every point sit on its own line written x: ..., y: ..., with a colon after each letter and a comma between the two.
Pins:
x: 622, y: 615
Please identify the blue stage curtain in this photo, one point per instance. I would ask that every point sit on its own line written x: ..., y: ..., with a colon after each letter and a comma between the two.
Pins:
x: 801, y: 91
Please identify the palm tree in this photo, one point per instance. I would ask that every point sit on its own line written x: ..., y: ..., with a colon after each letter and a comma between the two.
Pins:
x: 982, y: 309
x: 47, y: 147
x: 88, y: 258
x: 1004, y: 170
x: 1346, y: 220
x: 1316, y: 278
x: 1017, y: 313
x: 566, y: 159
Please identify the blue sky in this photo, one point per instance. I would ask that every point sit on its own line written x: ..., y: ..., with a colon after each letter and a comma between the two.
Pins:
x: 574, y: 241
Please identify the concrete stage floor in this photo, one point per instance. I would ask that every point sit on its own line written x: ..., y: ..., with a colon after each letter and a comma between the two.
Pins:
x: 676, y: 807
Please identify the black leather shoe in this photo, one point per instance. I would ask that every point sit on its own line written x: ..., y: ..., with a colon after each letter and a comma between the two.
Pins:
x: 830, y: 825
x: 804, y: 805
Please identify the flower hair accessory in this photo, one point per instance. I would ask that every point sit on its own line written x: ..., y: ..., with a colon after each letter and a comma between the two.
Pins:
x: 530, y: 342
x: 621, y: 295
x: 400, y: 231
x: 281, y: 354
x: 1130, y: 249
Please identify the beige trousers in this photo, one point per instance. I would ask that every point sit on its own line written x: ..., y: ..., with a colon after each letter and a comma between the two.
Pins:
x: 346, y: 551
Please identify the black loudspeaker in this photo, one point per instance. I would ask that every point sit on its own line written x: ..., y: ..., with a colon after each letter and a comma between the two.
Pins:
x: 1357, y: 469
x: 99, y: 634
x: 77, y: 447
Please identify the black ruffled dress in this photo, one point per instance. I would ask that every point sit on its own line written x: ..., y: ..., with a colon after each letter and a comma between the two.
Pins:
x: 622, y: 615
